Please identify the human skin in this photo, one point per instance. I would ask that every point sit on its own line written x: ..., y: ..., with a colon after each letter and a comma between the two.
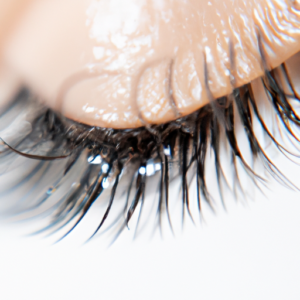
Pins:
x: 125, y: 64
x: 10, y: 12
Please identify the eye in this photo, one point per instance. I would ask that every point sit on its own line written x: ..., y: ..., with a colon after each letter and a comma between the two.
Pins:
x: 144, y: 89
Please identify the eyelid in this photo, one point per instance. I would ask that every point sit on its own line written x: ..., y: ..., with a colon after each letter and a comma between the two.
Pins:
x: 226, y: 47
x: 10, y: 11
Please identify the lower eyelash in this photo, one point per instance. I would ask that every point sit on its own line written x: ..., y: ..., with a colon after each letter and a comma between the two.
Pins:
x: 95, y: 158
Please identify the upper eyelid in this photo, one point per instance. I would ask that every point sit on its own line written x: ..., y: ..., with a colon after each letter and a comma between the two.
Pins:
x: 105, y: 116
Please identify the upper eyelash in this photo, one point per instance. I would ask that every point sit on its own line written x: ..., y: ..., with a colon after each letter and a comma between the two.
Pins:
x: 185, y: 141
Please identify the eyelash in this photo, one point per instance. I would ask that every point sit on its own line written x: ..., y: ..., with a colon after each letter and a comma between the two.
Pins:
x: 109, y: 153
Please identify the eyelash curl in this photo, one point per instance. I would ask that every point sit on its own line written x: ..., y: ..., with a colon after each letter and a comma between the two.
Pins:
x: 108, y: 156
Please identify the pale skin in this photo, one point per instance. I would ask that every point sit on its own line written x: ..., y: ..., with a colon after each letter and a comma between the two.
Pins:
x: 125, y: 64
x: 252, y: 252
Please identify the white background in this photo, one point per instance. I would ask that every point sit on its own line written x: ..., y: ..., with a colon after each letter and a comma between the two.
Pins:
x: 249, y: 252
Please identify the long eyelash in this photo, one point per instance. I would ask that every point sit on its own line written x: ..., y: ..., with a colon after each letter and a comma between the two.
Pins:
x: 183, y: 144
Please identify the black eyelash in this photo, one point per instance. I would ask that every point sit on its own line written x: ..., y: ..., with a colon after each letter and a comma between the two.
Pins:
x: 183, y: 143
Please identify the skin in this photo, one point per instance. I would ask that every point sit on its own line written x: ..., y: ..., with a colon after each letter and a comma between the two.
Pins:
x: 10, y: 11
x: 128, y: 64
x: 10, y: 81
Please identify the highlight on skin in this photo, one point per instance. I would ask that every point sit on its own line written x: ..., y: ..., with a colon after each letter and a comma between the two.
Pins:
x: 140, y: 95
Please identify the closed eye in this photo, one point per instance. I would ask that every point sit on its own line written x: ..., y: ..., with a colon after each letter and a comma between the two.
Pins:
x: 188, y: 103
